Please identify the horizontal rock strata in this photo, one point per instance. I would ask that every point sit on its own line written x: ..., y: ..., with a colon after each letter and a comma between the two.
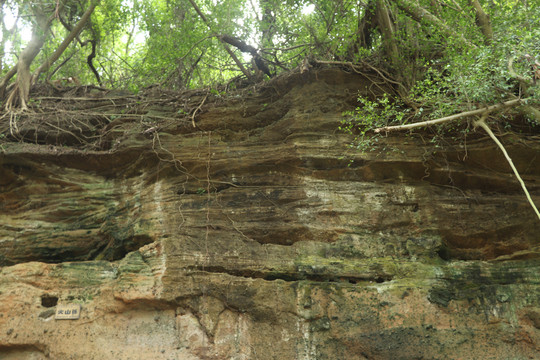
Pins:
x: 253, y: 235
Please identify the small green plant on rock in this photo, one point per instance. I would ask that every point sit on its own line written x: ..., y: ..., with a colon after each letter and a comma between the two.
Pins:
x: 370, y: 115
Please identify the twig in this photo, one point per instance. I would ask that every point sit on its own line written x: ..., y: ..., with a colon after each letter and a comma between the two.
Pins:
x: 267, y: 50
x: 457, y: 8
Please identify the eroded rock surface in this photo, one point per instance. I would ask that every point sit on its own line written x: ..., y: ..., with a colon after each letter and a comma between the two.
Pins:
x: 250, y: 236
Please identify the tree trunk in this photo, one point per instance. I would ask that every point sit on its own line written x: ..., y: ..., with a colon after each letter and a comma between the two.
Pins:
x: 4, y: 32
x: 21, y: 90
x: 71, y: 36
x: 483, y: 22
x: 421, y: 15
x: 267, y: 24
x: 386, y: 26
x: 365, y: 26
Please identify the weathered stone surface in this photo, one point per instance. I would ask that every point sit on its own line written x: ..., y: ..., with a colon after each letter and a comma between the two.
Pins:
x: 250, y: 237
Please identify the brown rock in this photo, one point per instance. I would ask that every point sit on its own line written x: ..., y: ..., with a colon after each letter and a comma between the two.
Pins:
x: 249, y: 237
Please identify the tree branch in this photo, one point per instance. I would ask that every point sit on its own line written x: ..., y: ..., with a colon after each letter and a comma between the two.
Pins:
x: 243, y: 47
x: 238, y: 43
x: 6, y: 79
x: 483, y: 22
x: 227, y: 48
x: 421, y: 15
x: 386, y: 28
x: 510, y: 103
x: 63, y: 46
x: 525, y: 83
x: 481, y: 123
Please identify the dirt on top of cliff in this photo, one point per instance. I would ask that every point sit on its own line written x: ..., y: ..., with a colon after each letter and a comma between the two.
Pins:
x: 90, y: 119
x: 96, y: 119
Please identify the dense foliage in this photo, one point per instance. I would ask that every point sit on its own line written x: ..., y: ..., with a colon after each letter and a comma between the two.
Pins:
x: 437, y: 57
x: 166, y: 42
x: 467, y: 68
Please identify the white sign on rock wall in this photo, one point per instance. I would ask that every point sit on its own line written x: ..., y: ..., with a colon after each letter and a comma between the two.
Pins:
x: 68, y: 312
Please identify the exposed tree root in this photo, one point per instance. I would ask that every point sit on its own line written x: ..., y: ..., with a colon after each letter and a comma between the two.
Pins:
x: 13, y: 129
x: 197, y: 109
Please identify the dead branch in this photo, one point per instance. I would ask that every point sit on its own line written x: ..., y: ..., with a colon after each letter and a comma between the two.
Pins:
x: 484, y: 112
x: 488, y: 109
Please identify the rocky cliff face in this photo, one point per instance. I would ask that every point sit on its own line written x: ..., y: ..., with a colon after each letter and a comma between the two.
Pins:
x: 249, y: 236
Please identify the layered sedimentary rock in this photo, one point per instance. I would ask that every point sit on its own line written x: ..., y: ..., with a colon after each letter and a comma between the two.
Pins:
x: 253, y: 236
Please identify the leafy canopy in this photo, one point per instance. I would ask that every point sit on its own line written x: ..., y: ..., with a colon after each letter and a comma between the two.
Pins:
x: 455, y: 66
x: 438, y: 54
